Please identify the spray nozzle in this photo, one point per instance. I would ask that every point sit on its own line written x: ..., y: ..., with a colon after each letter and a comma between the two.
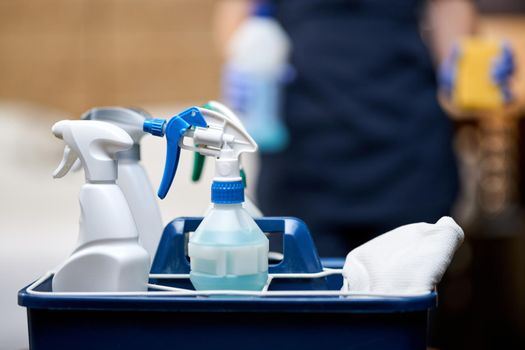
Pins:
x: 129, y: 119
x: 199, y: 159
x: 214, y: 134
x: 95, y: 143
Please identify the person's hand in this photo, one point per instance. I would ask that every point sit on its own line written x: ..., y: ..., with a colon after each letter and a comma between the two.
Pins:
x: 501, y: 72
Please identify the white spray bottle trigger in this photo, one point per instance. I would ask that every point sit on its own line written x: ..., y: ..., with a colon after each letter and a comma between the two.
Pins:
x: 69, y: 159
x: 95, y: 143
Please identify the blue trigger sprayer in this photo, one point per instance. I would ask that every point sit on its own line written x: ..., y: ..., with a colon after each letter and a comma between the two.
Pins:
x: 174, y: 130
x: 228, y: 251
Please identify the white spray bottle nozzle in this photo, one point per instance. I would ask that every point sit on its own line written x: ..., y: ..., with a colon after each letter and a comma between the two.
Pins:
x: 129, y: 119
x: 213, y: 133
x: 234, y: 140
x: 223, y: 137
x: 95, y: 143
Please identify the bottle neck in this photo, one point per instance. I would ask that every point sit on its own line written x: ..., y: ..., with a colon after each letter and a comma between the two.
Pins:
x: 101, y: 182
x: 227, y: 206
x: 131, y: 155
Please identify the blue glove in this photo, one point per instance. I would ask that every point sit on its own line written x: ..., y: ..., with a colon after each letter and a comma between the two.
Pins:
x: 503, y: 70
x: 447, y: 72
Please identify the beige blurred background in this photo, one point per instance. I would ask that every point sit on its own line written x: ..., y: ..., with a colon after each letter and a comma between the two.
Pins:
x: 59, y: 58
x: 74, y: 54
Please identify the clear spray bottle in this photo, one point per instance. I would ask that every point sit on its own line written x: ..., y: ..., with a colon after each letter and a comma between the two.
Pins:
x: 228, y: 250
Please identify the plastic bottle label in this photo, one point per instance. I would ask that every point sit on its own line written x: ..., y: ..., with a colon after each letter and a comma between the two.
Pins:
x: 231, y: 260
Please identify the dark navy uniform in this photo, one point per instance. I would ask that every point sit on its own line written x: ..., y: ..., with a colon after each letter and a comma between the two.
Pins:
x: 370, y: 147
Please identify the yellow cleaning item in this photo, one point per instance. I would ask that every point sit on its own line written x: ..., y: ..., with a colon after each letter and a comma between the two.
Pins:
x: 474, y: 87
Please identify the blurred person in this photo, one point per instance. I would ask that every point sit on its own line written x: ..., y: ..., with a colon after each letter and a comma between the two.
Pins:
x: 370, y: 148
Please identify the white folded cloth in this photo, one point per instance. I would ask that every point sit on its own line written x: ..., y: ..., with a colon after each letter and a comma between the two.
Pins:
x: 409, y: 259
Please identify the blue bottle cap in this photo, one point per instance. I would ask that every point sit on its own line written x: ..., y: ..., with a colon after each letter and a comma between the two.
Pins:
x: 230, y: 192
x: 263, y: 8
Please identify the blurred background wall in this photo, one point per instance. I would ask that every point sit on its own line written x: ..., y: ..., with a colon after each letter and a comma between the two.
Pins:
x: 75, y: 54
x: 59, y: 58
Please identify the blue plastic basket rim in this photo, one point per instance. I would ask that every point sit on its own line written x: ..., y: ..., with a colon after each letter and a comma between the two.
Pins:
x: 229, y: 304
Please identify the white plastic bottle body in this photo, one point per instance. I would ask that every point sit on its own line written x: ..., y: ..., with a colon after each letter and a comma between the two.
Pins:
x: 108, y: 257
x: 137, y: 189
x: 228, y: 251
x: 253, y: 79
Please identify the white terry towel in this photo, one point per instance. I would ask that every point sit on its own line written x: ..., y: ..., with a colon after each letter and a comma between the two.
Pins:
x: 409, y: 259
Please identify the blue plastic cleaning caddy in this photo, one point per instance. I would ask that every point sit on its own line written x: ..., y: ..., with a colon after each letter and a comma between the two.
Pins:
x: 174, y: 318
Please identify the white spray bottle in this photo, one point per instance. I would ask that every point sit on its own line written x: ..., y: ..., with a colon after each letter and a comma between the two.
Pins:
x: 228, y: 251
x: 132, y: 177
x: 108, y: 257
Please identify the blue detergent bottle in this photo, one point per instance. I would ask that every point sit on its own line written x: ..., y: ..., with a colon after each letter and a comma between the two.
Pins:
x: 228, y: 251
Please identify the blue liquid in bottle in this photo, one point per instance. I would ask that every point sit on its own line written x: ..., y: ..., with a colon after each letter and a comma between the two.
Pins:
x: 228, y: 251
